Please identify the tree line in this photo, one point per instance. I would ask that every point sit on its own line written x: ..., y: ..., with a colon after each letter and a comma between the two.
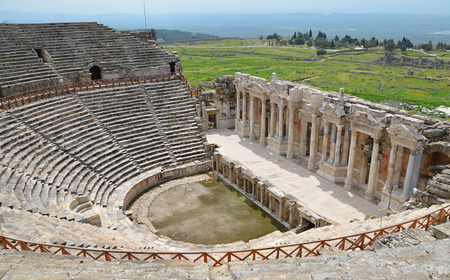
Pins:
x: 321, y: 41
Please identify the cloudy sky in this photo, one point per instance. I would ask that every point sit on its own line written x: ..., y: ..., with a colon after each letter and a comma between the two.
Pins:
x: 93, y: 7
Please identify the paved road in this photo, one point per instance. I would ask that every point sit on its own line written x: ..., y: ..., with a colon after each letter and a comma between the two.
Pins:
x: 311, y: 190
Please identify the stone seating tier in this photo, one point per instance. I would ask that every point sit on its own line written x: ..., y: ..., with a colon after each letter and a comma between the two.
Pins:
x: 64, y: 156
x: 71, y: 47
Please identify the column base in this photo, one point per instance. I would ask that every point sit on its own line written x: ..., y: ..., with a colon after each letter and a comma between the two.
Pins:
x: 290, y: 155
x: 368, y: 196
x: 277, y: 145
x: 335, y: 174
x: 348, y: 187
x: 242, y: 128
x: 311, y: 164
x: 262, y: 141
x: 397, y: 200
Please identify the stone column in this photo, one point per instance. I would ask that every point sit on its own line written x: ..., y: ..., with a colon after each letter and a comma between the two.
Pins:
x: 228, y: 109
x: 313, y: 145
x: 417, y: 167
x: 409, y: 175
x: 244, y: 107
x: 290, y: 148
x: 270, y: 203
x: 238, y: 105
x: 351, y: 162
x: 363, y: 169
x: 280, y: 209
x: 373, y: 170
x: 198, y: 110
x: 217, y: 164
x: 346, y: 145
x: 291, y: 216
x: 253, y: 191
x: 204, y: 114
x: 262, y: 138
x: 261, y: 195
x: 272, y: 119
x: 390, y: 171
x: 252, y: 118
x: 326, y: 128
x: 337, y: 156
x: 280, y: 121
x: 303, y: 136
x: 332, y: 144
x: 398, y: 166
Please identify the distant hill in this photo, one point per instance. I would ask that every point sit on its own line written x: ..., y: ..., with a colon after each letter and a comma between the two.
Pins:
x: 417, y: 28
x: 165, y: 35
x: 177, y: 35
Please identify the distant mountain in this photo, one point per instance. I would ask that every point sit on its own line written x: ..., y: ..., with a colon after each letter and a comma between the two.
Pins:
x: 177, y: 35
x: 417, y: 28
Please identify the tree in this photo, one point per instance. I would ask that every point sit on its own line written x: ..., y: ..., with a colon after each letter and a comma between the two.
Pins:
x: 426, y: 47
x: 321, y: 35
x: 364, y: 43
x: 336, y: 38
x: 332, y: 45
x: 321, y: 52
x: 295, y: 35
x: 389, y: 46
x: 321, y: 43
x: 309, y: 43
x: 299, y: 41
x: 310, y: 34
x: 272, y: 37
x: 261, y: 37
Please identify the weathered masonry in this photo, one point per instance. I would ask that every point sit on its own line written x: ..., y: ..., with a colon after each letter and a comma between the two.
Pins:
x: 282, y: 206
x: 344, y: 140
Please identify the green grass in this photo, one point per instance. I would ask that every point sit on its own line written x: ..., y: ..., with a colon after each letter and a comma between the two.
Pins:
x: 354, y: 71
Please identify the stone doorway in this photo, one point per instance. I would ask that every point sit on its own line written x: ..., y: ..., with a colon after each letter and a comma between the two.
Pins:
x: 96, y: 73
x: 212, y: 121
x: 172, y: 67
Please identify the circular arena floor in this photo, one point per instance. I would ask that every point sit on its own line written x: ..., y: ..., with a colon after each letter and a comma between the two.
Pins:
x: 206, y: 211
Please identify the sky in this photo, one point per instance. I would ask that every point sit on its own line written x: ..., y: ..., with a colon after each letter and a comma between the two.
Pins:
x: 95, y: 7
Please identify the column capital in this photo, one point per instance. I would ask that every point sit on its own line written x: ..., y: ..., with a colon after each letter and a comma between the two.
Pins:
x: 339, y: 126
x: 264, y: 98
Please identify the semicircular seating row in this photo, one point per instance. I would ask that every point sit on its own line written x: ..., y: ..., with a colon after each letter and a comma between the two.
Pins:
x: 70, y: 46
x: 63, y: 156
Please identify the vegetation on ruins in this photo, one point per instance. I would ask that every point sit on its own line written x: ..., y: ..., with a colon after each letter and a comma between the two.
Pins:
x: 354, y: 70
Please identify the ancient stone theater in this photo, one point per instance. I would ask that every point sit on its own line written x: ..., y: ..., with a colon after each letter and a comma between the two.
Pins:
x: 92, y: 118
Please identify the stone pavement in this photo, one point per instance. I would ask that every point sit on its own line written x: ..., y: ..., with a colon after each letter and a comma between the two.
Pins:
x: 312, y: 191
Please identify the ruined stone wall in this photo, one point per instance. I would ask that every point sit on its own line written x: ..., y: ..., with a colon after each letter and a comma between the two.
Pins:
x: 389, y: 59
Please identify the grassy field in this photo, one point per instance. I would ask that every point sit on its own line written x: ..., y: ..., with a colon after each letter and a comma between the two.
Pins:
x: 354, y: 71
